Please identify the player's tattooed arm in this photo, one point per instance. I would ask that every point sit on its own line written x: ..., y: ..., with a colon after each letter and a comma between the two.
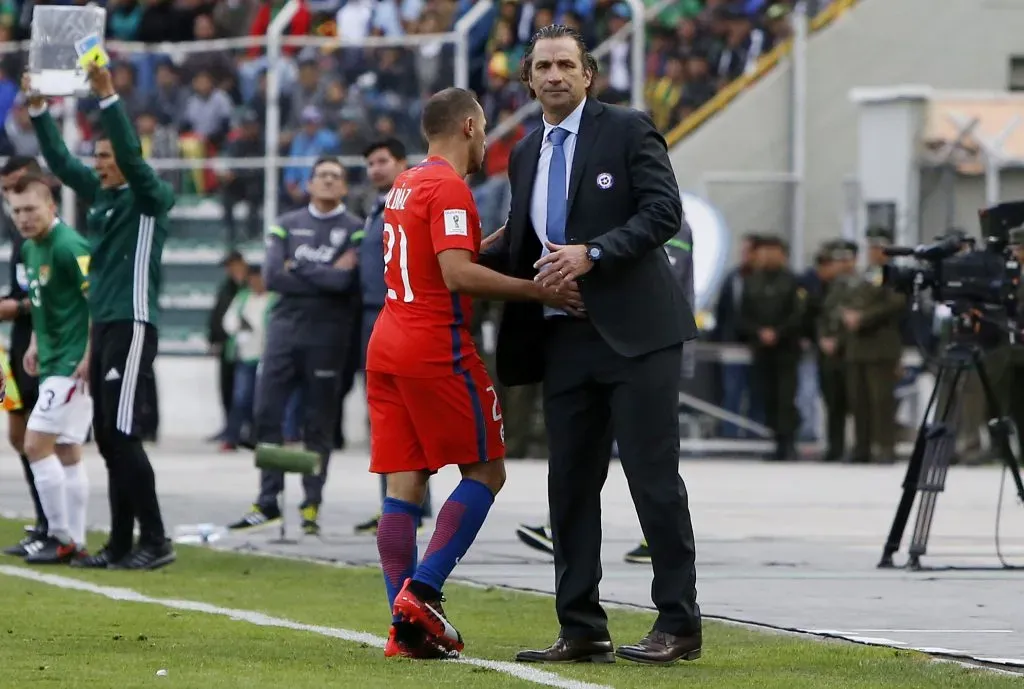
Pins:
x: 461, y: 274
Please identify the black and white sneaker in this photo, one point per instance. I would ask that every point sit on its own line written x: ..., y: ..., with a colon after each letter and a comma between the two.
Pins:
x: 53, y: 552
x: 33, y: 541
x: 537, y: 537
x: 147, y: 557
x: 257, y: 518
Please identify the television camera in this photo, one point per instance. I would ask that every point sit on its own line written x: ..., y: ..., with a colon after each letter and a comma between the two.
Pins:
x: 979, y: 285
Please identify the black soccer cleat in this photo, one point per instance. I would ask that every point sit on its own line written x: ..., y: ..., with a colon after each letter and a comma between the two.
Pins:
x: 640, y: 555
x: 32, y: 541
x: 100, y: 560
x: 53, y: 552
x: 368, y: 527
x: 147, y: 557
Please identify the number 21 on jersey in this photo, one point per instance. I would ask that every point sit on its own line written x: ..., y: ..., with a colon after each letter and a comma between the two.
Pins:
x: 390, y: 237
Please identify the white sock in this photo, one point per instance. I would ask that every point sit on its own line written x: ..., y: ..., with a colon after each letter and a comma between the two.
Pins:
x: 49, y: 479
x: 77, y: 490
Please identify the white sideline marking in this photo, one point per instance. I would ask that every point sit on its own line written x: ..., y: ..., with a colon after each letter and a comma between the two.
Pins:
x: 933, y: 631
x: 526, y: 673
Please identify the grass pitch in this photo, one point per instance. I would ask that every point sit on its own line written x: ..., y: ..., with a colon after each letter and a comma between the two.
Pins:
x: 51, y: 637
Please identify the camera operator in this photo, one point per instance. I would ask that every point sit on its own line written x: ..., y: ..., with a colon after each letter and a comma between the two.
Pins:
x: 870, y: 315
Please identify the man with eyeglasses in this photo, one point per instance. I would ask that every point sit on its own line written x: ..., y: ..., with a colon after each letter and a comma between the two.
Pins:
x: 311, y: 264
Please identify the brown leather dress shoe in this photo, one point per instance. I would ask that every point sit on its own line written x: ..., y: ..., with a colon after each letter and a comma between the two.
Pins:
x: 571, y: 651
x: 661, y: 648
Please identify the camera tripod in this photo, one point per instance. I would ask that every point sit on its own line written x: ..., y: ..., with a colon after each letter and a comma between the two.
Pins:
x: 935, y: 446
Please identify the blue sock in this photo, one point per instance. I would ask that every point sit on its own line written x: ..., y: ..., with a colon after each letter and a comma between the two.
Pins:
x: 457, y: 525
x: 396, y: 544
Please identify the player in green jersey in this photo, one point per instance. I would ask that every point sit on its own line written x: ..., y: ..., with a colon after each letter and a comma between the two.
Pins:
x: 127, y: 222
x: 56, y: 260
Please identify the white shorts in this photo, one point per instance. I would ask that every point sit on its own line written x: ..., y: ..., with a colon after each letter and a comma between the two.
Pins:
x: 64, y: 409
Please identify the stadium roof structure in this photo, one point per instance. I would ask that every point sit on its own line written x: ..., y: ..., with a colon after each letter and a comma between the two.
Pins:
x: 962, y: 128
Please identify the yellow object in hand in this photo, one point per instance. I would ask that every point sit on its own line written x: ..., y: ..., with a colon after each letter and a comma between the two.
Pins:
x: 12, y: 398
x: 90, y: 51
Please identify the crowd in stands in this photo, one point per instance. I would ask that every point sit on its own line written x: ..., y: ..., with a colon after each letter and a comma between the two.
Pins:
x: 207, y: 103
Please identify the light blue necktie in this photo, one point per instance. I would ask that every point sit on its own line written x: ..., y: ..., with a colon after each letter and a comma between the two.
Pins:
x: 556, y: 187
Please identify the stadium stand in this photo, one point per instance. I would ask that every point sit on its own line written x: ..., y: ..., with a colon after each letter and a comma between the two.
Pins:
x: 193, y: 74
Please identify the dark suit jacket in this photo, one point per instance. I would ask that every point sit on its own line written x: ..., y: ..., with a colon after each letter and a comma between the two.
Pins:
x: 630, y: 295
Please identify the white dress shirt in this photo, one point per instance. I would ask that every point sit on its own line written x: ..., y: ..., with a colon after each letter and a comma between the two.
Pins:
x: 539, y: 198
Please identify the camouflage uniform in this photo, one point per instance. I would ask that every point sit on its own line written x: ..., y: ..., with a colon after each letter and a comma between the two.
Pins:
x: 774, y: 299
x: 873, y: 352
x: 832, y: 367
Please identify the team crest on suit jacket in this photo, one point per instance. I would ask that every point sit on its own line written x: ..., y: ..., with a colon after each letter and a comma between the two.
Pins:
x: 605, y: 180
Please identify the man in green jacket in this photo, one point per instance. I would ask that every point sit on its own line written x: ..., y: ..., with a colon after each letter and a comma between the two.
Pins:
x: 127, y: 224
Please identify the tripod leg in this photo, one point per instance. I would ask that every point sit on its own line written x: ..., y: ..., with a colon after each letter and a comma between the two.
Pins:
x: 912, y: 478
x: 1000, y: 426
x: 939, y: 450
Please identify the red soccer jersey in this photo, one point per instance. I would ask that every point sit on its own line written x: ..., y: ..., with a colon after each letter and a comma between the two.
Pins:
x: 423, y: 331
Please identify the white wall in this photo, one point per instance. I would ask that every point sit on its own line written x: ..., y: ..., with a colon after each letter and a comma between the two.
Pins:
x: 946, y: 44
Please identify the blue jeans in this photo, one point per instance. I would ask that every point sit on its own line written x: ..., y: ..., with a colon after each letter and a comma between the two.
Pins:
x: 293, y: 416
x: 242, y: 401
x: 807, y: 399
x: 735, y: 391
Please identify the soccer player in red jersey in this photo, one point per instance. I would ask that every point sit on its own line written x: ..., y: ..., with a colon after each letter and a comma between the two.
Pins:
x: 432, y: 403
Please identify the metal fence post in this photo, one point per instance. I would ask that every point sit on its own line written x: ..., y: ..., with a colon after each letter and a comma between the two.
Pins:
x: 799, y: 132
x: 637, y: 57
x: 273, y: 128
x: 462, y: 28
x: 69, y: 128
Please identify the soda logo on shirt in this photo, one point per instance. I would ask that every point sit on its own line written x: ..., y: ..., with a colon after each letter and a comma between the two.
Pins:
x: 320, y: 254
x: 397, y: 198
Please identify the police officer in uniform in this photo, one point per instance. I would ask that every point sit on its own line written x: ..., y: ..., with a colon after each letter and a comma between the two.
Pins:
x: 871, y: 315
x: 771, y: 320
x: 830, y: 346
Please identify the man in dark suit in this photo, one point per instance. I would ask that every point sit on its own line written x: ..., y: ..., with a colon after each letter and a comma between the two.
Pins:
x: 594, y: 199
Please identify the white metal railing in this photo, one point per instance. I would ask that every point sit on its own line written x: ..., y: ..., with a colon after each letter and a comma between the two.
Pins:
x: 272, y: 130
x: 274, y: 44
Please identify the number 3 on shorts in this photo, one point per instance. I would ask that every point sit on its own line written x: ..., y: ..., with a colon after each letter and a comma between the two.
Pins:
x: 495, y: 413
